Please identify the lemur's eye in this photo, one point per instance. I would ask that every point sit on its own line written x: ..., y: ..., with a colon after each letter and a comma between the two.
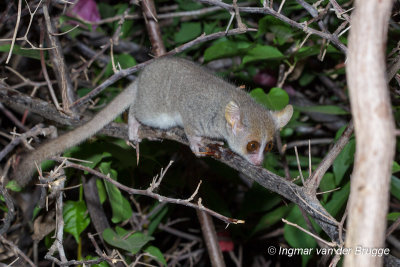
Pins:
x: 252, y: 146
x: 268, y: 146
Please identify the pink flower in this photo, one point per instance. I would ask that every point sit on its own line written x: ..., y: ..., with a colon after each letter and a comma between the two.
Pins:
x: 86, y: 10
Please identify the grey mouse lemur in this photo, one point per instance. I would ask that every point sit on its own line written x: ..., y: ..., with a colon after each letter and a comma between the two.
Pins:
x: 175, y: 92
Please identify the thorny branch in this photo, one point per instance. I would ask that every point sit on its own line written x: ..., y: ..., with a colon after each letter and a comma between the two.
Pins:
x: 57, y: 58
x: 304, y: 197
x: 270, y: 11
x: 149, y: 192
x: 10, y: 206
x: 265, y: 178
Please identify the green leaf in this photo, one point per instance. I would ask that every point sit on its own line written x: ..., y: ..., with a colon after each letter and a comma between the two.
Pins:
x: 282, y: 33
x: 220, y: 50
x: 17, y: 50
x: 286, y: 132
x: 276, y: 99
x: 340, y: 132
x: 67, y: 25
x: 73, y: 32
x: 395, y: 167
x: 101, y: 264
x: 120, y: 206
x: 263, y: 25
x: 106, y: 10
x: 211, y: 27
x: 393, y: 216
x: 306, y: 78
x: 225, y: 48
x: 156, y: 219
x: 325, y: 109
x: 262, y: 52
x: 91, y: 160
x: 297, y: 238
x: 265, y: 199
x: 98, y: 151
x: 188, y: 5
x: 102, y: 191
x: 123, y: 60
x: 133, y: 243
x: 271, y: 218
x: 156, y: 253
x: 344, y: 160
x: 260, y: 96
x: 83, y: 91
x: 128, y: 23
x: 13, y: 186
x: 307, y: 51
x: 36, y: 211
x: 76, y: 218
x: 327, y: 183
x: 338, y: 200
x: 395, y: 187
x: 188, y: 31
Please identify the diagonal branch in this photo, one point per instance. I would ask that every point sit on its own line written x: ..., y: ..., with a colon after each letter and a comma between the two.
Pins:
x: 269, y: 11
x: 265, y: 178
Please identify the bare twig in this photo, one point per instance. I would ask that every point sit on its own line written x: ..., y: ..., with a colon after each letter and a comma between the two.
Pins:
x: 151, y: 194
x: 57, y: 57
x: 10, y: 206
x: 317, y: 141
x: 211, y: 239
x: 35, y: 131
x: 240, y: 24
x: 16, y: 250
x: 281, y: 6
x: 330, y: 244
x: 26, y: 81
x: 15, y: 31
x: 314, y: 181
x: 393, y: 227
x: 339, y: 11
x: 178, y: 233
x: 265, y: 178
x: 153, y: 29
x: 282, y: 151
x: 11, y: 117
x: 44, y: 69
x: 394, y: 68
x: 58, y: 242
x: 269, y: 11
x: 299, y: 166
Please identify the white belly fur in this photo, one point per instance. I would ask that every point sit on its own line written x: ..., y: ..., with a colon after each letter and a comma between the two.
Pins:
x: 164, y: 121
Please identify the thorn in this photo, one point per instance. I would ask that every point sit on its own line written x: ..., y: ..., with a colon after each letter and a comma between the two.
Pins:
x: 137, y: 153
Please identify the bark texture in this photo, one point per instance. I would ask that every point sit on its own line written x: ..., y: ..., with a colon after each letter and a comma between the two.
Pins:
x: 374, y: 129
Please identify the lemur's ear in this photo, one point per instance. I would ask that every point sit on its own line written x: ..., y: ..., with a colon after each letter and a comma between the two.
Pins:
x: 282, y: 117
x: 232, y: 116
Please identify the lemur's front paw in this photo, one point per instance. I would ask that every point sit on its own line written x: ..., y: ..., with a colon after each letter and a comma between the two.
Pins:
x: 196, y: 144
x: 204, y: 147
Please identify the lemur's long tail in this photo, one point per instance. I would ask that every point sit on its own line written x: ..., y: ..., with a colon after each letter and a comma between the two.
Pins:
x: 26, y: 168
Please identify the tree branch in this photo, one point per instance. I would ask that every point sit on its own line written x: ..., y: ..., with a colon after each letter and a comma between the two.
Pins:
x: 265, y: 178
x: 374, y: 130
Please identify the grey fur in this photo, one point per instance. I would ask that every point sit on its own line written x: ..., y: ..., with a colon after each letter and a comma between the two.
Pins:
x: 175, y: 92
